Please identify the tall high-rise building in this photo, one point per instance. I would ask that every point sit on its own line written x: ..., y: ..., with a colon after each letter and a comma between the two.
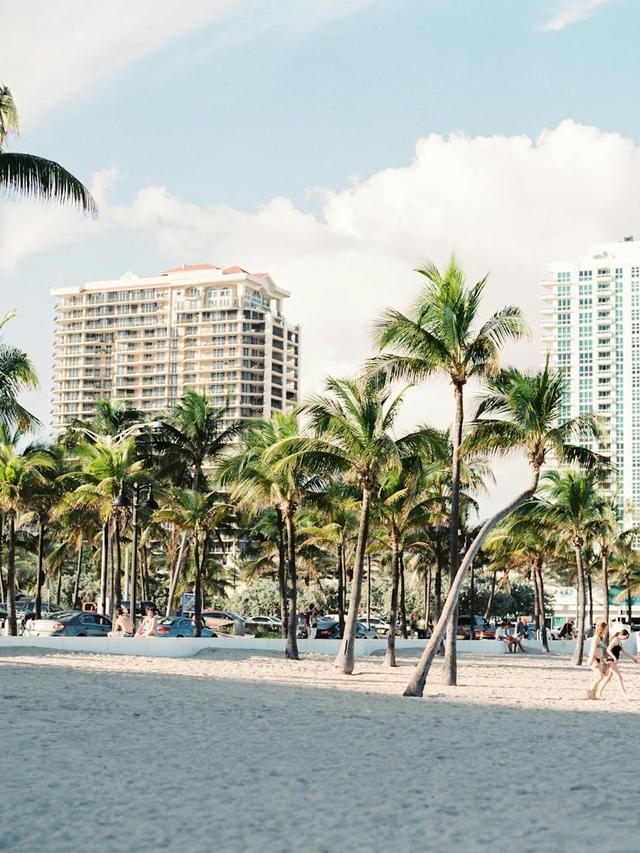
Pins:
x: 145, y: 340
x: 591, y: 329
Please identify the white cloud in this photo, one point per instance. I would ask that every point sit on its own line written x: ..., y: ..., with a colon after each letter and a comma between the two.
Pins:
x: 57, y: 51
x: 507, y: 205
x: 571, y: 12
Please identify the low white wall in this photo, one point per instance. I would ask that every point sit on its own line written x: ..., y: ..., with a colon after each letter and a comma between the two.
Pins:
x: 186, y: 647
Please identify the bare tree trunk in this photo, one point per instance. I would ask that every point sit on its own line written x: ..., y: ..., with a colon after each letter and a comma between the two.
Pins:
x: 75, y: 602
x: 419, y: 678
x: 292, y: 633
x: 390, y: 654
x: 450, y: 651
x: 40, y: 570
x: 11, y: 576
x: 605, y: 581
x: 340, y: 591
x: 403, y: 599
x: 282, y: 576
x: 345, y: 659
x: 578, y: 653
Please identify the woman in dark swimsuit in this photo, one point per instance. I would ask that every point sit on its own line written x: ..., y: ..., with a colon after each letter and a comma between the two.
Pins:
x: 614, y: 650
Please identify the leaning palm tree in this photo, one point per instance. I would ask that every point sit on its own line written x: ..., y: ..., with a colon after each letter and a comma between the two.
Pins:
x: 528, y: 409
x: 442, y: 335
x: 26, y: 174
x: 18, y: 472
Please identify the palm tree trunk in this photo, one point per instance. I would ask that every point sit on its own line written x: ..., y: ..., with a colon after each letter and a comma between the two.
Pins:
x: 2, y: 589
x: 40, y: 570
x: 117, y: 576
x: 472, y: 604
x: 104, y: 568
x: 450, y: 651
x: 492, y: 592
x: 340, y: 592
x: 146, y: 591
x: 292, y: 632
x: 578, y: 653
x: 540, y: 608
x: 59, y: 586
x: 605, y: 582
x: 437, y: 603
x: 175, y: 574
x: 629, y: 600
x: 403, y: 599
x: 590, y: 590
x: 419, y: 678
x: 345, y: 659
x: 427, y: 600
x: 390, y: 654
x: 197, y: 594
x: 75, y: 601
x: 11, y: 576
x: 282, y: 576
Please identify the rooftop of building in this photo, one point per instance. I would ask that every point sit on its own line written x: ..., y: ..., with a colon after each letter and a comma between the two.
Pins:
x: 188, y: 274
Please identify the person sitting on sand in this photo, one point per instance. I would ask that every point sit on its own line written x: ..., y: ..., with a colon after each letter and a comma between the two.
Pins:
x: 614, y: 650
x: 597, y: 660
x: 148, y: 626
x: 123, y: 626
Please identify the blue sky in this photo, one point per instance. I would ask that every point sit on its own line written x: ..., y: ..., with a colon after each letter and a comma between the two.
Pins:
x: 285, y: 135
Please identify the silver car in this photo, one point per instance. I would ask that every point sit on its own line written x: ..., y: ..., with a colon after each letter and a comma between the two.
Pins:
x: 70, y: 623
x: 181, y: 626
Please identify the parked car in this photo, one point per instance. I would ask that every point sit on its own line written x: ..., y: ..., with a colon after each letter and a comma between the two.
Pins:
x: 380, y: 625
x: 70, y: 623
x: 180, y: 626
x: 26, y: 608
x: 265, y: 621
x: 329, y: 629
x: 482, y: 629
x: 217, y: 619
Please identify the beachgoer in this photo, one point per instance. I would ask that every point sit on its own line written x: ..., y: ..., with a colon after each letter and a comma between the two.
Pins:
x: 312, y: 625
x: 501, y: 632
x: 148, y: 626
x: 597, y: 660
x: 614, y: 650
x: 123, y: 626
x: 568, y: 631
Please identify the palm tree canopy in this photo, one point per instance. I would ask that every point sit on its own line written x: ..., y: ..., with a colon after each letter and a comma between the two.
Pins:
x: 442, y: 334
x: 26, y: 174
x: 17, y: 374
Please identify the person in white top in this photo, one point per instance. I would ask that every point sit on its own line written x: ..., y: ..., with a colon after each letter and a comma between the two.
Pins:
x: 148, y: 626
x: 501, y: 633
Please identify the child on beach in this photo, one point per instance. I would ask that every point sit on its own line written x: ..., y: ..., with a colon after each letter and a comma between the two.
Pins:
x: 597, y: 660
x: 614, y: 650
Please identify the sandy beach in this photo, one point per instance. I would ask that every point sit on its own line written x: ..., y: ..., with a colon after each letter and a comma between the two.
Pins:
x: 238, y: 752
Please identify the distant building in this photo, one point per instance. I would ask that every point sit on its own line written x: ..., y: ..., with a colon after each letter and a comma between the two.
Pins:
x: 591, y: 328
x: 145, y: 340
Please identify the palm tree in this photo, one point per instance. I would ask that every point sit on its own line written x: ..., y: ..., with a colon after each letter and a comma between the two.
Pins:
x: 26, y: 174
x: 108, y: 466
x: 606, y: 529
x: 625, y: 568
x: 352, y: 425
x: 528, y: 407
x: 199, y: 515
x: 18, y: 472
x: 570, y: 501
x: 263, y: 474
x: 442, y: 335
x: 183, y: 445
x: 17, y: 374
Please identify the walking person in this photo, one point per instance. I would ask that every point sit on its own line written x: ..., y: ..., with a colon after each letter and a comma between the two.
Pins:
x: 312, y: 625
x: 614, y: 650
x: 597, y: 660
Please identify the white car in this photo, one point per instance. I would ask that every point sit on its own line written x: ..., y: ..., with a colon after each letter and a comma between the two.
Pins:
x: 379, y: 625
x: 266, y: 621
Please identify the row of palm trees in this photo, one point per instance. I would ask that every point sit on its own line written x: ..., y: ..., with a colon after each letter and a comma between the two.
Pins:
x: 326, y: 487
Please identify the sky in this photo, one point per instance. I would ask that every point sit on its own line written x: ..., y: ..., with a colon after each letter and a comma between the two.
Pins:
x: 337, y: 144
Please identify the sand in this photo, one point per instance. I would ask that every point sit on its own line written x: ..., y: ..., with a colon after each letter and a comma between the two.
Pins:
x: 232, y: 751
